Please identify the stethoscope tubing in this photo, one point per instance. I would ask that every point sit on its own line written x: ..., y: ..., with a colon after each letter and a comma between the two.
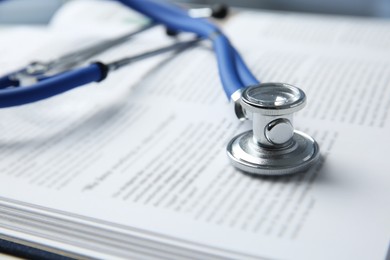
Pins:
x: 52, y: 86
x: 233, y: 71
x: 244, y: 72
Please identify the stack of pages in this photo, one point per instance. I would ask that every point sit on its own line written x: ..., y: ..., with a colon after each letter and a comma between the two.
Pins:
x: 135, y: 167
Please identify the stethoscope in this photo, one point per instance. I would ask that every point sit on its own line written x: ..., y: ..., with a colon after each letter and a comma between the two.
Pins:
x: 273, y: 147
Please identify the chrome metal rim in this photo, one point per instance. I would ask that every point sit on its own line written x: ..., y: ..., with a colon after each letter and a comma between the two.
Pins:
x: 301, y: 153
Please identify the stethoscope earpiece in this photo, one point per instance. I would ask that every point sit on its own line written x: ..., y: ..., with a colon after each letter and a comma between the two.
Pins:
x: 273, y: 147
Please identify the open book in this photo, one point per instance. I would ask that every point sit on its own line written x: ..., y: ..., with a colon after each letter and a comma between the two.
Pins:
x: 136, y: 168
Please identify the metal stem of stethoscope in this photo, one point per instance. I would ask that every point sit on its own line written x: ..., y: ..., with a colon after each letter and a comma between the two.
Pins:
x: 178, y: 46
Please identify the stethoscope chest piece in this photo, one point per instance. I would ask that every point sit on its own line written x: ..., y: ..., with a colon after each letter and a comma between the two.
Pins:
x: 273, y: 147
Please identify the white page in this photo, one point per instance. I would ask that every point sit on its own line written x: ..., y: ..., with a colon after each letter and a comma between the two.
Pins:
x: 99, y: 17
x: 86, y: 158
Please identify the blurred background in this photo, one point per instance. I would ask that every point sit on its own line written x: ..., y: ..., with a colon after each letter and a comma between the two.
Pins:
x: 40, y: 11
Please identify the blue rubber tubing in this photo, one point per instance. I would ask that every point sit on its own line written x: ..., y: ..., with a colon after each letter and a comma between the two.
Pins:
x: 50, y: 87
x: 244, y: 72
x: 233, y: 71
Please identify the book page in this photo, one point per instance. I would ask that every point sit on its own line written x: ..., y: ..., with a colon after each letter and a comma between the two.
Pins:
x: 106, y: 18
x: 148, y: 151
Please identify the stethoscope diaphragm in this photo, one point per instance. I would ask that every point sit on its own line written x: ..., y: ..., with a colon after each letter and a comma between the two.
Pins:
x: 273, y: 147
